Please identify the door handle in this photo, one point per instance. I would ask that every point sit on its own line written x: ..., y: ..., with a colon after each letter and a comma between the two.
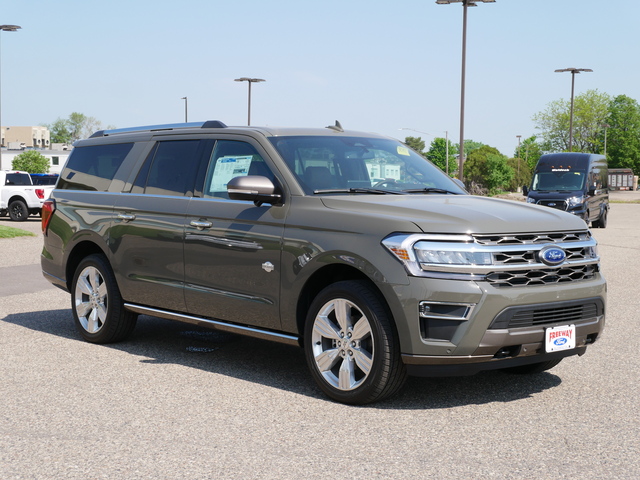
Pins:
x: 126, y: 217
x: 200, y: 224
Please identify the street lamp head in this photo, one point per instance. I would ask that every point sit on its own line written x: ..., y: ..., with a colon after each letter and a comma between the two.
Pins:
x: 10, y: 28
x: 573, y: 70
x: 468, y: 3
x: 251, y: 80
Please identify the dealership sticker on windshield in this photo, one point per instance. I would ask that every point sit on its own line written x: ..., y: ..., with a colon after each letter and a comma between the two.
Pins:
x: 402, y: 151
x: 560, y: 338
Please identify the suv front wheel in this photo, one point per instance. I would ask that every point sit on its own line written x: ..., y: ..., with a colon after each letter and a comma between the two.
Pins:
x: 351, y: 346
x: 98, y: 309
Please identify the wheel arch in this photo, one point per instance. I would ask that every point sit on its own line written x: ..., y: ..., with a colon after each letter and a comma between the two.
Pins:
x: 15, y: 197
x: 80, y: 251
x: 324, y: 277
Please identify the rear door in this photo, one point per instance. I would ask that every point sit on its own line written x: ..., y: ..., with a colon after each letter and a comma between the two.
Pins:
x: 232, y: 248
x: 147, y: 236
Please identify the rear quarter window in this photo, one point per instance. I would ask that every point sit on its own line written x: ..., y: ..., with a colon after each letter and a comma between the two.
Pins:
x: 17, y: 179
x: 93, y: 167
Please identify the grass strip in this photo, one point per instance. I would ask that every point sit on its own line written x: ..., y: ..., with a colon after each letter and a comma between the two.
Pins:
x: 10, y: 232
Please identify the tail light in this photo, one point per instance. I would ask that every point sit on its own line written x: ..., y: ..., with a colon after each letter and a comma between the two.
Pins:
x: 48, y: 207
x: 40, y: 193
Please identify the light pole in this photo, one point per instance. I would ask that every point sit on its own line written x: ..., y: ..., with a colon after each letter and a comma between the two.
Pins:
x: 185, y: 109
x: 605, y: 126
x: 465, y: 4
x: 4, y: 28
x: 250, y: 81
x: 573, y: 77
x: 519, y: 137
x: 446, y: 140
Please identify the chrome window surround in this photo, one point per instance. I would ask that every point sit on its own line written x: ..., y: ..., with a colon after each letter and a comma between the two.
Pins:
x: 508, y: 253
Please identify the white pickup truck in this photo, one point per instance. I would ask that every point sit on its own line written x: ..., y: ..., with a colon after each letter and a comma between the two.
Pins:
x: 19, y: 197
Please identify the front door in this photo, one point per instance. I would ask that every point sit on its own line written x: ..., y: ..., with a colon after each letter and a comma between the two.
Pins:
x: 233, y: 248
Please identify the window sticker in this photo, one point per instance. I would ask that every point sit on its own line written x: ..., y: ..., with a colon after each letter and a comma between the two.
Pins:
x: 403, y: 151
x: 227, y: 168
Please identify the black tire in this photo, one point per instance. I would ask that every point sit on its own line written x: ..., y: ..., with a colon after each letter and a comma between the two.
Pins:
x: 533, y: 368
x: 602, y: 220
x: 98, y: 309
x: 18, y: 211
x: 354, y: 356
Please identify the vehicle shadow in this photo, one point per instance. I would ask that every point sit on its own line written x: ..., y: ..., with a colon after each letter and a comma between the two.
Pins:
x: 282, y: 366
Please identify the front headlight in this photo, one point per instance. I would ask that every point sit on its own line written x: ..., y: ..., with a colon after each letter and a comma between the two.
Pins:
x: 428, y: 253
x: 575, y: 201
x: 530, y: 200
x: 420, y: 253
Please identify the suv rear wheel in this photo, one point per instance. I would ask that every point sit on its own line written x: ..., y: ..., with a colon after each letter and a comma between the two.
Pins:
x: 351, y: 345
x: 98, y: 309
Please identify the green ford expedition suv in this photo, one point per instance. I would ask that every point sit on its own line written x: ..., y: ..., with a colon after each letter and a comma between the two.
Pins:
x: 348, y: 244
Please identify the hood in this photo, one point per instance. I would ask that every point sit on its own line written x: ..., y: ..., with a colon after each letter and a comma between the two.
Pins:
x: 459, y: 213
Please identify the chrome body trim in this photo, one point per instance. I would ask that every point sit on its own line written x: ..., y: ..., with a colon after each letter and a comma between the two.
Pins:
x: 216, y: 324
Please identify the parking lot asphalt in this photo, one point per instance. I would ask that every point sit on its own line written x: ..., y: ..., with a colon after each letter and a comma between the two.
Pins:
x: 179, y: 402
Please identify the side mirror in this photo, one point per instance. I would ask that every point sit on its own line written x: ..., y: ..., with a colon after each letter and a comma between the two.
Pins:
x: 460, y: 183
x: 525, y: 190
x: 254, y: 188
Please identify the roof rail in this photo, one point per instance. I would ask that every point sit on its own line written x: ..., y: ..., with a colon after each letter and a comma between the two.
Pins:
x: 154, y: 128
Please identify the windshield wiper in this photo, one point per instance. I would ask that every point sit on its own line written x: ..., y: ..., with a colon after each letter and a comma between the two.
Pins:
x: 430, y: 190
x: 375, y: 191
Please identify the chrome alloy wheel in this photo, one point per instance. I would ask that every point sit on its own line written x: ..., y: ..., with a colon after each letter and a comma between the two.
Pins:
x: 342, y: 344
x: 91, y: 299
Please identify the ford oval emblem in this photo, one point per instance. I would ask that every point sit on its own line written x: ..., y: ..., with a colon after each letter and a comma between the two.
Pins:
x: 552, y: 256
x: 560, y: 341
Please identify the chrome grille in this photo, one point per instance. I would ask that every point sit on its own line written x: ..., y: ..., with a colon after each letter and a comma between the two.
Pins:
x: 520, y: 278
x: 532, y: 238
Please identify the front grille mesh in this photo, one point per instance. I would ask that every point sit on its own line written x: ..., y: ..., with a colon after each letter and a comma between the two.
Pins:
x: 558, y: 204
x: 520, y: 278
x: 539, y: 315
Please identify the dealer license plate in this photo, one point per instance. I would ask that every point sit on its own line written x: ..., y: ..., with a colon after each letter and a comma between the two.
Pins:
x: 560, y: 338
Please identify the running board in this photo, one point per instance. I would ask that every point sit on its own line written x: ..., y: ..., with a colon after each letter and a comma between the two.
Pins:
x: 216, y: 324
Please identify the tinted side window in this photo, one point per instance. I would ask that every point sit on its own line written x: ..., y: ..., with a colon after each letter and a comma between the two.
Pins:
x: 93, y: 167
x: 171, y: 168
x: 232, y: 159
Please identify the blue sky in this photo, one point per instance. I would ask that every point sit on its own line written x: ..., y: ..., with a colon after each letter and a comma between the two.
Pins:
x: 374, y: 65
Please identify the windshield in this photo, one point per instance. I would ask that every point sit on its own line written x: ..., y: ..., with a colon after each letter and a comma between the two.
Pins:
x: 360, y: 165
x: 558, y: 181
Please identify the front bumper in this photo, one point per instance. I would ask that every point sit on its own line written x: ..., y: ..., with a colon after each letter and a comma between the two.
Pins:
x: 484, y: 336
x: 504, y: 348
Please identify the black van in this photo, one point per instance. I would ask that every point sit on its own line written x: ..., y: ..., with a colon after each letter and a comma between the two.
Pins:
x: 574, y: 182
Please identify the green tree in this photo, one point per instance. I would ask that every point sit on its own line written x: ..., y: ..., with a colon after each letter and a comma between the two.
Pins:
x: 530, y: 151
x: 31, y: 161
x: 438, y: 155
x: 499, y: 173
x: 469, y: 146
x: 76, y: 127
x: 475, y: 165
x: 623, y: 134
x: 59, y: 131
x: 589, y: 114
x: 416, y: 143
x: 521, y: 174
